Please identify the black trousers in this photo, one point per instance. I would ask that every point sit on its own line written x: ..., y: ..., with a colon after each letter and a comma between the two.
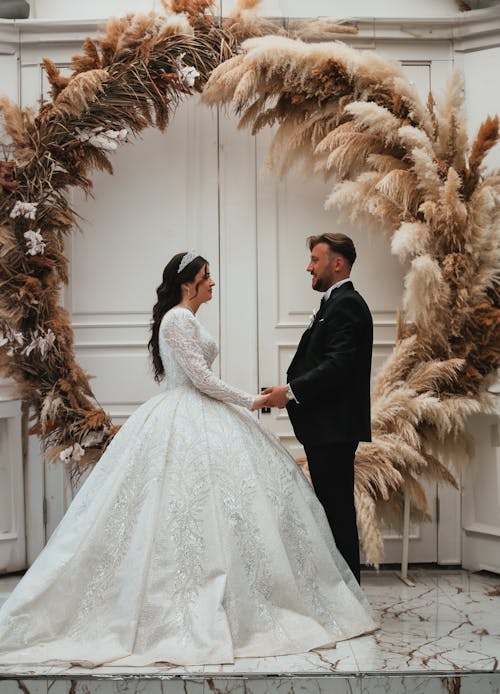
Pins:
x: 332, y: 475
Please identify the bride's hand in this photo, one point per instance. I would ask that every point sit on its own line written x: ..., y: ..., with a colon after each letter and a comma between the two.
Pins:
x: 260, y: 401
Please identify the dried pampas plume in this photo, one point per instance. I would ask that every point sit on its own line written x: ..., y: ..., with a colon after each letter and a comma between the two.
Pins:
x: 243, y: 5
x: 244, y: 22
x: 350, y: 116
x: 353, y: 117
x: 133, y: 77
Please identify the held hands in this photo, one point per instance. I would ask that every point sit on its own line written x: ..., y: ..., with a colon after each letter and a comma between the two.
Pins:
x: 276, y: 396
x: 260, y: 401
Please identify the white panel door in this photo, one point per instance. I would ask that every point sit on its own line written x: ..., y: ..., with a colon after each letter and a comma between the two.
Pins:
x: 481, y: 479
x: 481, y: 497
x: 12, y: 502
x: 12, y: 527
x: 287, y: 213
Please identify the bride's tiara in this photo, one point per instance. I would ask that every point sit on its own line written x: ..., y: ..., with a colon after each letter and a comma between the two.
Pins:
x: 188, y: 258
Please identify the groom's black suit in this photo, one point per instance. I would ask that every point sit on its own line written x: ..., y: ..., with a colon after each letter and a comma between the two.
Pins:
x: 330, y: 379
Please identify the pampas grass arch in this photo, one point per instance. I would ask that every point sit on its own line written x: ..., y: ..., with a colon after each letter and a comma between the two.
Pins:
x: 350, y: 116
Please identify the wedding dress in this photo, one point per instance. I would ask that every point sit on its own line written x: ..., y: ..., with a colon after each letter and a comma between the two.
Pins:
x: 195, y: 540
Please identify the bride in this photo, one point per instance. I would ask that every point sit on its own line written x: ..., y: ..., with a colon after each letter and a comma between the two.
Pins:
x: 196, y: 539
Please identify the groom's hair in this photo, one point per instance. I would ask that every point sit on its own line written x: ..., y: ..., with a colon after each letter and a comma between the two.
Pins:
x: 338, y: 243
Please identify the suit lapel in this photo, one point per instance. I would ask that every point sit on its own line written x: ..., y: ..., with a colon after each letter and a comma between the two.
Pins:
x: 337, y: 293
x: 306, y: 335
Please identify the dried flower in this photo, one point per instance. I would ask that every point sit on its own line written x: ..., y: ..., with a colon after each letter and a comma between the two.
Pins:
x: 73, y: 453
x: 12, y: 338
x: 34, y: 242
x: 46, y: 342
x: 187, y: 74
x: 42, y: 343
x: 24, y: 209
x: 103, y: 139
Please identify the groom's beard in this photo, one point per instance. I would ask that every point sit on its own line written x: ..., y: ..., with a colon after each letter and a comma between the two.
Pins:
x: 320, y: 285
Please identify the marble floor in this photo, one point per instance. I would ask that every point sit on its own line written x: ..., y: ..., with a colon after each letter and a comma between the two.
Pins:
x: 440, y: 636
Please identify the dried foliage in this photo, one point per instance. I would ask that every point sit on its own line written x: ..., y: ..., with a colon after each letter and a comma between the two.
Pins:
x: 244, y: 23
x: 349, y: 115
x: 353, y: 117
x: 133, y: 77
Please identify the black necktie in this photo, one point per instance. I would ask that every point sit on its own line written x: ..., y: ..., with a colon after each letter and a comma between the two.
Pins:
x: 320, y: 310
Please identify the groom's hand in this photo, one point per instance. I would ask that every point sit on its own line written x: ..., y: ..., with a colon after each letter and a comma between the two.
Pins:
x: 259, y: 401
x: 277, y: 396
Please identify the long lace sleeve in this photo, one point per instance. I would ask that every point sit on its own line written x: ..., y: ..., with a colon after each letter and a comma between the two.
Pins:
x: 181, y: 333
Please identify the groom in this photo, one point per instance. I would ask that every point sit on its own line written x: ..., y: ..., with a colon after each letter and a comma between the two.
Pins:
x: 328, y: 390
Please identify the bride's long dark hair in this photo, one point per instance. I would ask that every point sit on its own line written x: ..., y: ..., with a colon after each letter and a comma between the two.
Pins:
x: 169, y: 294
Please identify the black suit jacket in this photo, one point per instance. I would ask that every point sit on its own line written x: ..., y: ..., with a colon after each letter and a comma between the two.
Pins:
x: 330, y: 372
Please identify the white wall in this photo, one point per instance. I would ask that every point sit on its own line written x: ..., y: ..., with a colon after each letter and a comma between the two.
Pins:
x: 200, y: 184
x: 95, y: 9
x: 148, y: 199
x: 481, y: 480
x: 480, y: 69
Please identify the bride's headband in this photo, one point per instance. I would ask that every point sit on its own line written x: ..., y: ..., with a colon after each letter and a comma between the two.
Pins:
x: 188, y: 258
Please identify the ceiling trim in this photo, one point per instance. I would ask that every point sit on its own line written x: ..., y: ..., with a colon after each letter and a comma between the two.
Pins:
x: 467, y: 31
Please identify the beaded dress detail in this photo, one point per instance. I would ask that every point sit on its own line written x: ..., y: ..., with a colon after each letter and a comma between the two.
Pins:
x: 196, y: 539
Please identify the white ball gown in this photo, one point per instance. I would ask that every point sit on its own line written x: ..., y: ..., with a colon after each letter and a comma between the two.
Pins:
x: 196, y: 539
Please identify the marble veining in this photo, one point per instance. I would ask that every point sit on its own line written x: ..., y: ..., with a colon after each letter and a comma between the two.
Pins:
x: 441, y: 636
x: 329, y: 684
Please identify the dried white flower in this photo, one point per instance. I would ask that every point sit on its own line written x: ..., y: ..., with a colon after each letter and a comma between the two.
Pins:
x: 78, y: 452
x: 187, y: 74
x: 92, y: 438
x: 29, y: 348
x: 24, y: 209
x: 74, y: 453
x: 42, y: 343
x: 46, y: 342
x: 65, y: 455
x: 35, y: 243
x: 12, y: 338
x: 103, y: 139
x: 120, y: 135
x: 51, y: 405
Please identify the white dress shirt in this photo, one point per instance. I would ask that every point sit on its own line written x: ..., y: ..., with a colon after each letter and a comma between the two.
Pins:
x: 328, y: 292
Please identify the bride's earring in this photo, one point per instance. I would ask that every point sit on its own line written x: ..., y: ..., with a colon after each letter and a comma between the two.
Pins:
x: 189, y: 293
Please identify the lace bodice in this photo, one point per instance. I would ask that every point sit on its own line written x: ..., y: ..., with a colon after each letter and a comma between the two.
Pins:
x: 187, y: 351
